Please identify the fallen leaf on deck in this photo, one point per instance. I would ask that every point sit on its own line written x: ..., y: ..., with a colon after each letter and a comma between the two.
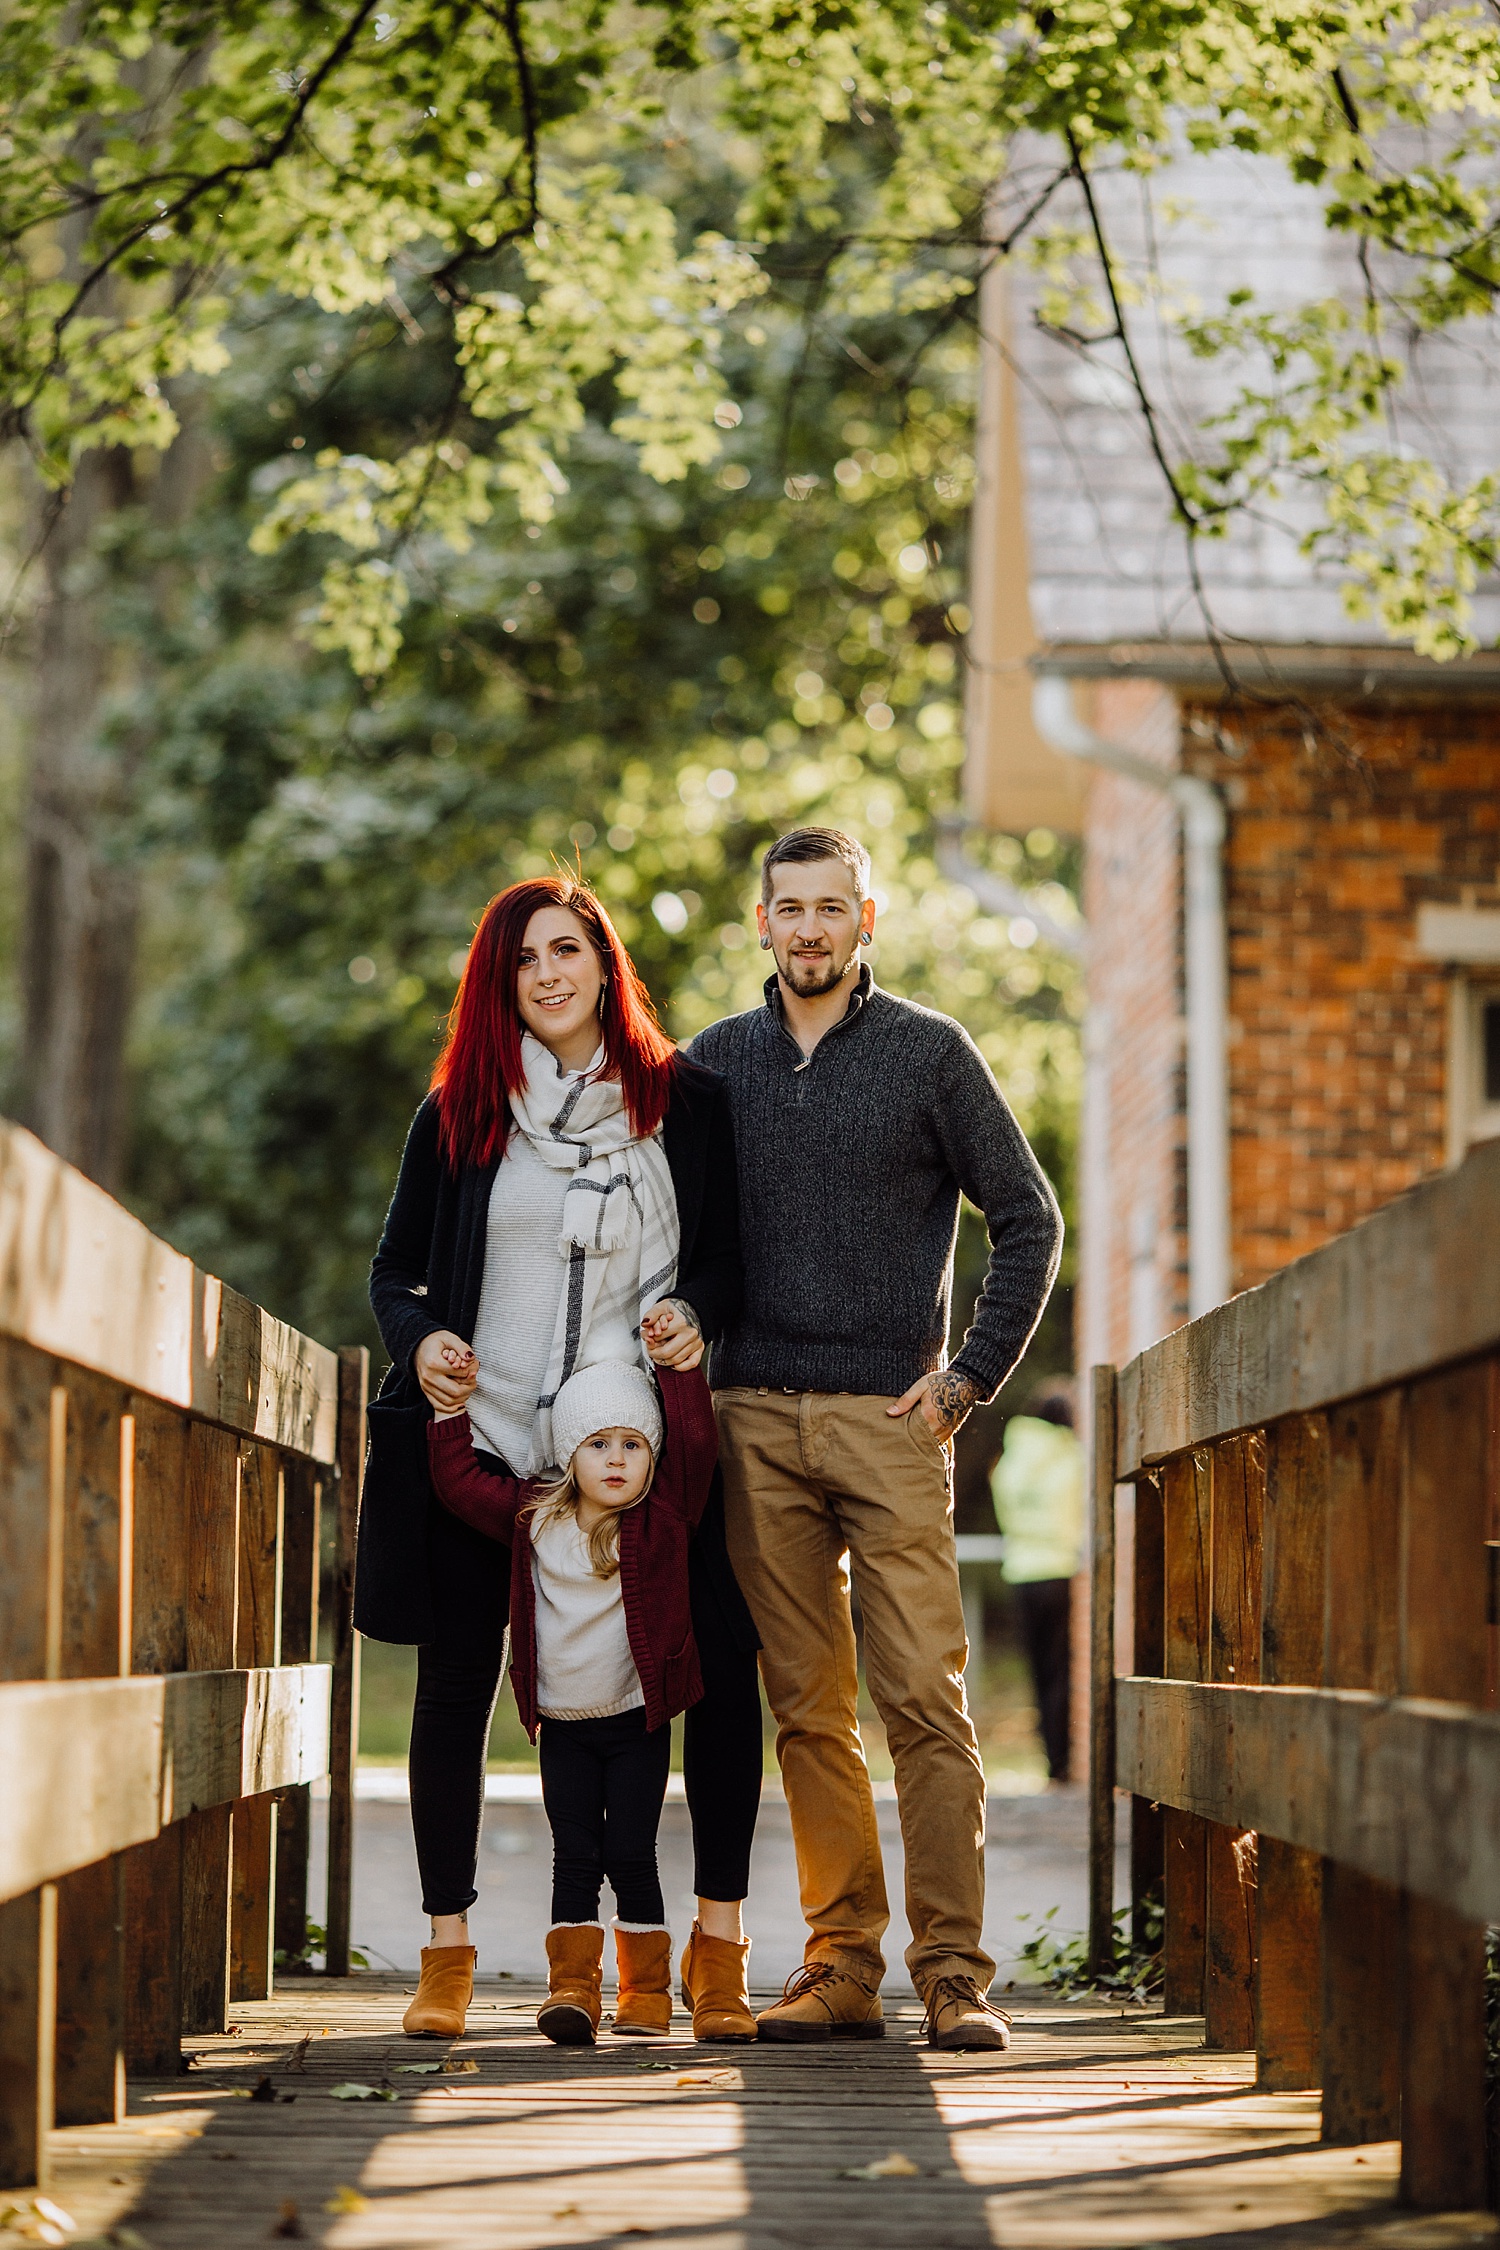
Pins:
x: 38, y: 2219
x: 892, y: 2167
x: 459, y: 2066
x: 709, y: 2078
x: 223, y: 2156
x: 419, y: 2070
x: 346, y: 2201
x: 352, y: 2091
x: 263, y: 2091
x: 289, y: 2226
x: 656, y: 2066
x: 568, y: 2211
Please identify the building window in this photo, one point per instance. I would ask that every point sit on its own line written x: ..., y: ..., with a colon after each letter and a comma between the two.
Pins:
x: 1473, y: 1064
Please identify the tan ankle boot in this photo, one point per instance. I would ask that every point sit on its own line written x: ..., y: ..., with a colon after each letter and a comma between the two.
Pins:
x: 569, y: 2016
x: 443, y: 1993
x: 643, y: 2009
x: 714, y: 1986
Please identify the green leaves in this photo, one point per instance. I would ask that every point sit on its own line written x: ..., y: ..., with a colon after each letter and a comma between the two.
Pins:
x: 490, y: 166
x: 349, y: 157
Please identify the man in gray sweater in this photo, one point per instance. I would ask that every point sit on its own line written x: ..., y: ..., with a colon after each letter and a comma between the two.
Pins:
x: 859, y: 1120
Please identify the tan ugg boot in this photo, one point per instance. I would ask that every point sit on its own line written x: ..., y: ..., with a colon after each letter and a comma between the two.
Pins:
x: 714, y: 1987
x: 643, y: 2008
x: 569, y: 2015
x: 444, y: 1990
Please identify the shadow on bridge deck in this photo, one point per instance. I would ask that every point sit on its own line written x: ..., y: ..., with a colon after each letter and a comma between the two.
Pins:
x: 1097, y: 2129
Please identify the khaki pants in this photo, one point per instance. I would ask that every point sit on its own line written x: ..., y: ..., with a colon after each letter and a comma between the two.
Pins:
x: 817, y: 1484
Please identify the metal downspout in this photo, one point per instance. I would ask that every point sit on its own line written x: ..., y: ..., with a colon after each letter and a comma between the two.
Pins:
x: 1205, y: 950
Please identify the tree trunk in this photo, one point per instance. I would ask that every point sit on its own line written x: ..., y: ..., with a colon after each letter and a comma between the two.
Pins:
x: 82, y: 901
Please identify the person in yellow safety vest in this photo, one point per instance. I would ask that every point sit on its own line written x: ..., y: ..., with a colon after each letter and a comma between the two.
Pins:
x: 1037, y: 1485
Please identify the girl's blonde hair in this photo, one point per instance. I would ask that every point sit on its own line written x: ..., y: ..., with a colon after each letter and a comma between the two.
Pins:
x: 561, y: 1498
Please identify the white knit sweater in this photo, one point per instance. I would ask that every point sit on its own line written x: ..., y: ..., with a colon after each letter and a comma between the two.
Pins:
x: 584, y: 1668
x: 524, y: 1273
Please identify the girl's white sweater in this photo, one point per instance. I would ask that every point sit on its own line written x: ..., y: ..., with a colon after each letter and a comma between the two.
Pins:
x: 584, y: 1668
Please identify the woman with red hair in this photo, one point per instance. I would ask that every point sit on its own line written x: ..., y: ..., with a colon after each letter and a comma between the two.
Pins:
x: 567, y: 1197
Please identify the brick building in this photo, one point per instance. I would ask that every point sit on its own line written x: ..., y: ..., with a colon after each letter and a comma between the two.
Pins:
x: 1357, y: 785
x: 1291, y: 887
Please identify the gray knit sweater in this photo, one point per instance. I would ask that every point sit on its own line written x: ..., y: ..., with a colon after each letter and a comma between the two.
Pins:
x: 851, y: 1166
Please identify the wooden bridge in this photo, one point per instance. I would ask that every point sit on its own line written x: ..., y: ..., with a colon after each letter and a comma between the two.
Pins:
x: 1305, y: 1488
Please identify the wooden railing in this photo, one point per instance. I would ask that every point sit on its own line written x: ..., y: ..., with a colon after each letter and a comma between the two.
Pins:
x: 168, y: 1456
x: 1308, y: 1731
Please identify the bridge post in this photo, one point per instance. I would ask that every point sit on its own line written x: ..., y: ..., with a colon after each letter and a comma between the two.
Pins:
x: 1102, y: 1676
x: 354, y: 1389
x: 1186, y: 1521
x: 1444, y: 1653
x: 301, y: 1560
x: 1148, y: 1591
x: 1289, y: 1957
x: 1237, y: 1487
x: 153, y: 1872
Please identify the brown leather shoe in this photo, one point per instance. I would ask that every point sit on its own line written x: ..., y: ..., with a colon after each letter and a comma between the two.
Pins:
x: 643, y: 2007
x: 569, y: 2016
x: 824, y: 2002
x: 714, y: 1987
x: 960, y: 2018
x: 444, y: 1990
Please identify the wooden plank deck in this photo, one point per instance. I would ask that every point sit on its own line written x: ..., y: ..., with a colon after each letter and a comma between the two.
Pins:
x: 1097, y: 2129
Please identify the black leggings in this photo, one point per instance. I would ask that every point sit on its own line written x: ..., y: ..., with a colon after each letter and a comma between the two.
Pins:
x: 603, y: 1783
x: 721, y: 1758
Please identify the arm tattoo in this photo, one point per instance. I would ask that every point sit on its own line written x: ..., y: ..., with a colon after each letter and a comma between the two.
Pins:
x: 952, y: 1396
x: 680, y: 1304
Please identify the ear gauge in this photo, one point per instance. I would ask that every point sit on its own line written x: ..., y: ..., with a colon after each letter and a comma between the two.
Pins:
x: 765, y: 945
x: 867, y: 937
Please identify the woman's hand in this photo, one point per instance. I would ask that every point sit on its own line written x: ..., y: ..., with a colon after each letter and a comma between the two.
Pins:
x: 447, y: 1371
x: 671, y: 1334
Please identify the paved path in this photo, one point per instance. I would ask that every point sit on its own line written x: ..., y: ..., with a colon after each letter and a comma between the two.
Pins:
x: 1034, y: 1861
x: 1110, y: 2131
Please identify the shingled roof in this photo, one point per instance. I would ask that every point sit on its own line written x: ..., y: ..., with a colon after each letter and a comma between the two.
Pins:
x: 1107, y: 562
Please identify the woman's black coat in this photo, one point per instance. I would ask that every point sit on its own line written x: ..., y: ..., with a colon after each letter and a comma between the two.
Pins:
x: 422, y: 1574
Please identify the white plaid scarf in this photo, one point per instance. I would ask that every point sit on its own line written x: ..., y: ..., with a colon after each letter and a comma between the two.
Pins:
x: 619, y: 1224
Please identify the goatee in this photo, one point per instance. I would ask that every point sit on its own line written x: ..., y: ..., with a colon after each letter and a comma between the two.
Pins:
x: 811, y: 983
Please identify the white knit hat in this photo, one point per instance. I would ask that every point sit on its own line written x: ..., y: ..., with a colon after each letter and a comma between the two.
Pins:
x: 611, y: 1396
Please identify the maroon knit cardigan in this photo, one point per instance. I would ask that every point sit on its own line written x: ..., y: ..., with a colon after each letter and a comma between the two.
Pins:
x: 653, y: 1546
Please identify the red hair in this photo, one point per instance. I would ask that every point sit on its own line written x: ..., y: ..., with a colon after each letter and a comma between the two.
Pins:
x: 480, y: 1066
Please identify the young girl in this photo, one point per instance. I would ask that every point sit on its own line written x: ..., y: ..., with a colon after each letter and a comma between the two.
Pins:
x: 602, y: 1658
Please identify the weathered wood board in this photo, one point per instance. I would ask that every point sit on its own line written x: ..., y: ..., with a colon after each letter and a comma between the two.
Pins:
x: 1416, y: 1287
x: 94, y: 1766
x: 81, y: 1278
x: 1334, y: 1770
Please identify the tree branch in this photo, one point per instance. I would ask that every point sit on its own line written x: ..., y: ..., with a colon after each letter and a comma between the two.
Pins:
x: 1188, y: 517
x: 264, y: 161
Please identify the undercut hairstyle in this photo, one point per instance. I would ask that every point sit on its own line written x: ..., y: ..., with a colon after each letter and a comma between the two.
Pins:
x: 801, y: 846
